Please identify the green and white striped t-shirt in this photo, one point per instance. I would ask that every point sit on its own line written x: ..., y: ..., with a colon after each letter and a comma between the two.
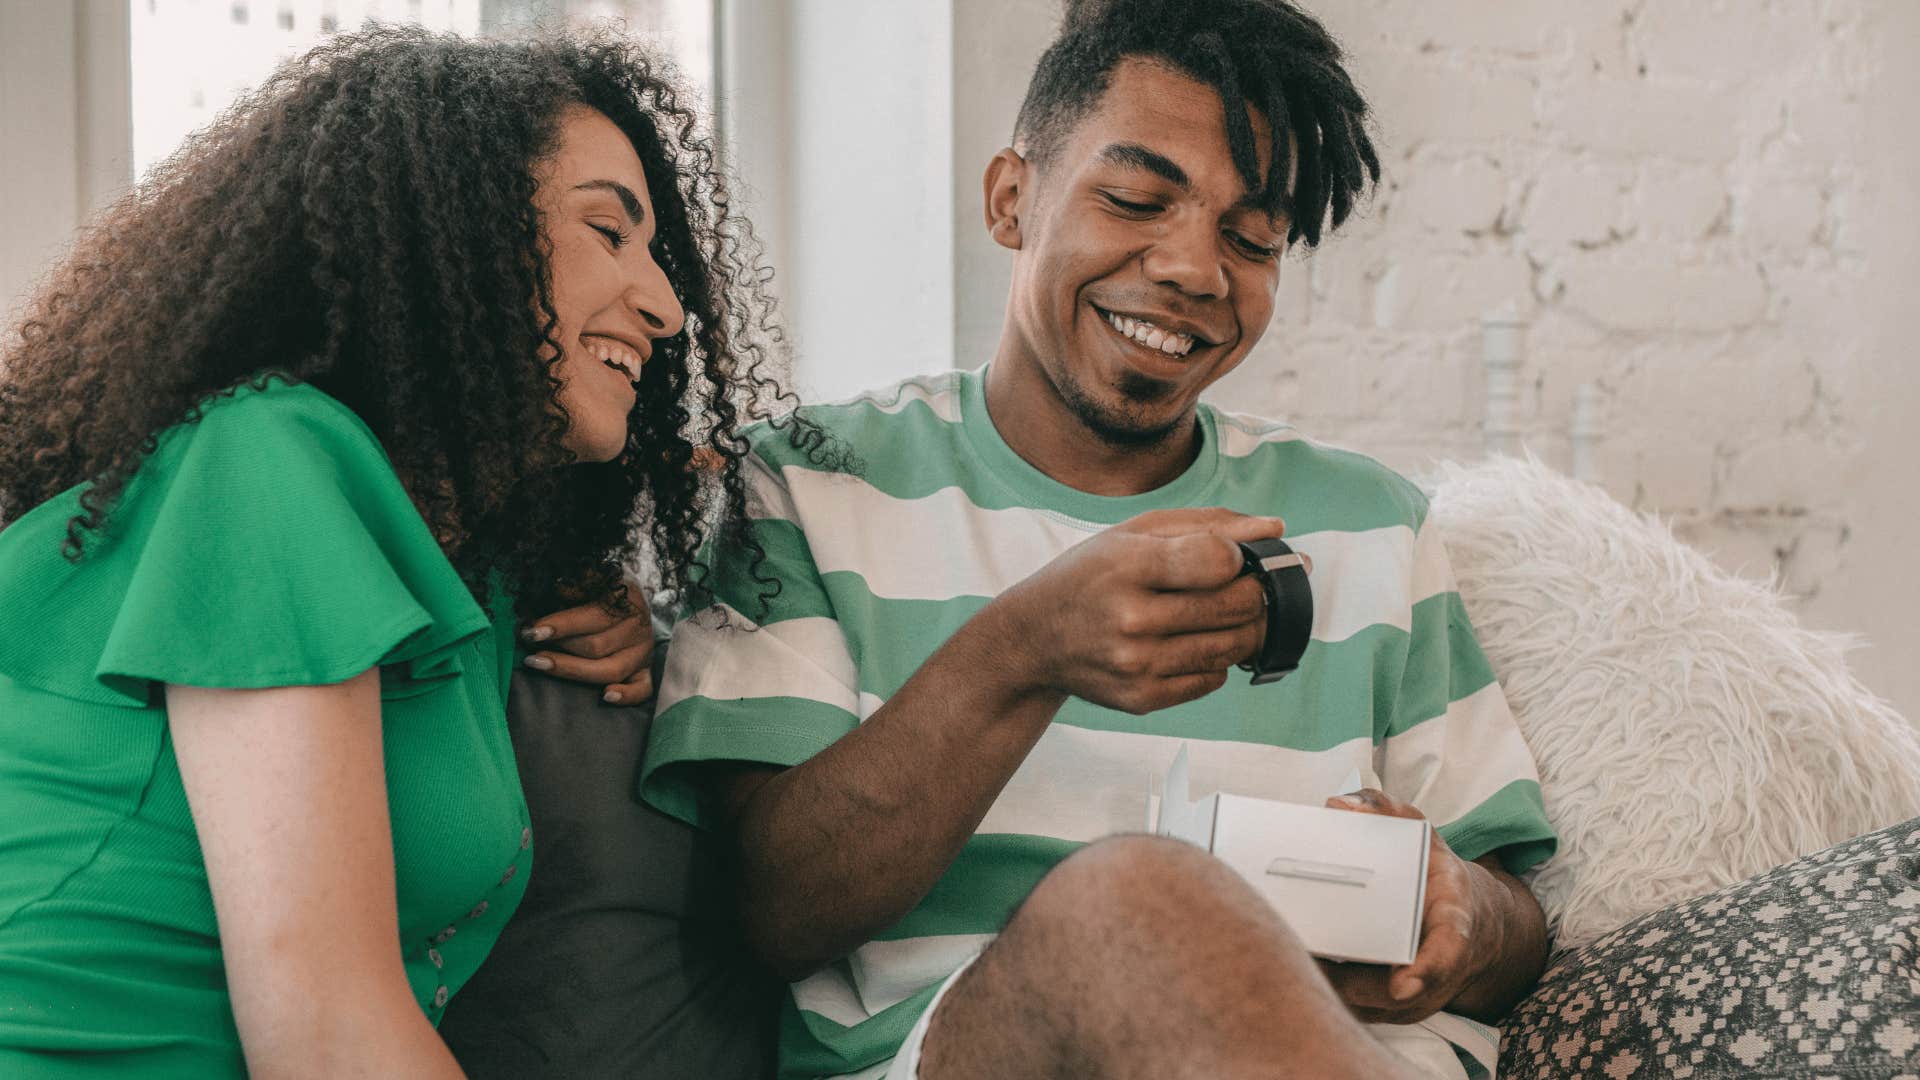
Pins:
x: 880, y: 563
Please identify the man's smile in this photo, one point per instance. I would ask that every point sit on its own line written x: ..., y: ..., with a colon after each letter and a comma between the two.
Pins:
x: 1152, y: 335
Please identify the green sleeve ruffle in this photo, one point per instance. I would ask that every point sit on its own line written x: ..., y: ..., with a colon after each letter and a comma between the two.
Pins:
x: 268, y: 544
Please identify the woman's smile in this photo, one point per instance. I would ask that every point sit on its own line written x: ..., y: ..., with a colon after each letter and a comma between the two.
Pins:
x: 615, y: 354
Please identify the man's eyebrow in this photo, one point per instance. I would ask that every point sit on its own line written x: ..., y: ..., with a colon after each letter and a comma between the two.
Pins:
x: 628, y: 199
x: 1135, y: 156
x: 1252, y: 204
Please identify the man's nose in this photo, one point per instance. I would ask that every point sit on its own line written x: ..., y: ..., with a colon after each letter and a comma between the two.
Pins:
x: 1187, y: 256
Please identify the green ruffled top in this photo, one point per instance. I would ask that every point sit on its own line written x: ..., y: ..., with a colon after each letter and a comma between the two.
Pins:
x: 268, y: 544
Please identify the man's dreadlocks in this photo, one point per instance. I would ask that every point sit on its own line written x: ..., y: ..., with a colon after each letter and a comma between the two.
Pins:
x: 1266, y: 53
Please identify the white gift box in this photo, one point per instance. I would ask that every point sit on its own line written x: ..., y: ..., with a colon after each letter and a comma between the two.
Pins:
x: 1352, y: 885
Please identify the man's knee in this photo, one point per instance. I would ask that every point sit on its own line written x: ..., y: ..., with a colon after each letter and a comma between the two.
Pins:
x: 1143, y: 942
x: 1144, y: 882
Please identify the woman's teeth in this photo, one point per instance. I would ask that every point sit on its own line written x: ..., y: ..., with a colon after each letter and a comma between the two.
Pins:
x: 615, y: 355
x: 1153, y: 337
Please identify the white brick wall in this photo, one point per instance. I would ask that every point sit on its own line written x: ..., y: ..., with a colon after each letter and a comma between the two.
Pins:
x: 1685, y: 202
x: 1708, y: 209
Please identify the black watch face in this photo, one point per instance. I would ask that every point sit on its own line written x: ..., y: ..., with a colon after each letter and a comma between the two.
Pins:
x: 1283, y: 578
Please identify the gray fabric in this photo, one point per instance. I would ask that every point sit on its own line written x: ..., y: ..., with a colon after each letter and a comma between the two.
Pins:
x: 1809, y: 970
x: 622, y: 961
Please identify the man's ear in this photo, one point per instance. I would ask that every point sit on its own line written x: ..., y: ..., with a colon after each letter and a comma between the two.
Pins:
x: 1004, y: 183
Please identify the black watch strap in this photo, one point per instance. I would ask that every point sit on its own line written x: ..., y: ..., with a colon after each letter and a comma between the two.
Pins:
x: 1283, y: 577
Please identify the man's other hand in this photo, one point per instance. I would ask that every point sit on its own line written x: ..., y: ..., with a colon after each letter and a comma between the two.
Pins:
x: 1148, y: 614
x: 1456, y: 931
x: 599, y: 644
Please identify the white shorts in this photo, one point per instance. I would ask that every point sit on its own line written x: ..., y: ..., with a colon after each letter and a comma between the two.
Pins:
x: 1420, y: 1044
x: 906, y: 1064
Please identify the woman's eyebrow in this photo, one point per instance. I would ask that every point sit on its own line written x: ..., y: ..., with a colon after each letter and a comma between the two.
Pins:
x: 628, y: 199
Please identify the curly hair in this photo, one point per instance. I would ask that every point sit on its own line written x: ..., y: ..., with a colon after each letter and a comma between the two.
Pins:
x: 365, y: 223
x: 1267, y: 52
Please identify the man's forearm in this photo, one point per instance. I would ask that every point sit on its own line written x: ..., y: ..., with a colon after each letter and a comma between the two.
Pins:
x: 838, y: 848
x: 1517, y: 951
x: 1142, y: 616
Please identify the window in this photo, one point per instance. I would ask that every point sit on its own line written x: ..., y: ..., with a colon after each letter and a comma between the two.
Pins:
x: 193, y: 58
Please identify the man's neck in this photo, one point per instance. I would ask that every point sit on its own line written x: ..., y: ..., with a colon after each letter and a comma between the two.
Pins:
x: 1033, y: 420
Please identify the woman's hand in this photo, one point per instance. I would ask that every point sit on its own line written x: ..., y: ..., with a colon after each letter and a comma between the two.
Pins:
x: 594, y: 644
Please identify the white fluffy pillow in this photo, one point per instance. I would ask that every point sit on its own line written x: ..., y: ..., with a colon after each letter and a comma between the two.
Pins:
x: 1689, y: 733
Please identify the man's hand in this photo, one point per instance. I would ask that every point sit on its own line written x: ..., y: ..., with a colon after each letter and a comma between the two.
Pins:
x: 594, y: 643
x: 1459, y: 933
x: 1150, y: 613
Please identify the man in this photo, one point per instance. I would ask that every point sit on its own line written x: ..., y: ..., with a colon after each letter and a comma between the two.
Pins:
x: 1020, y: 596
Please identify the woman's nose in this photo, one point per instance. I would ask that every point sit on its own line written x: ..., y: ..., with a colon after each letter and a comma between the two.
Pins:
x: 653, y: 297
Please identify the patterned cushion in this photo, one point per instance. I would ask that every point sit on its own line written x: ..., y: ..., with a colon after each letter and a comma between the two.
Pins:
x: 1809, y: 970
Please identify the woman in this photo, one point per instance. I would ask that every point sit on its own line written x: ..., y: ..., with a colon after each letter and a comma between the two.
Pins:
x: 426, y: 332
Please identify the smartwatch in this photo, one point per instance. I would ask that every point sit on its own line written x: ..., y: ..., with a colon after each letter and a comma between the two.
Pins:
x: 1283, y: 580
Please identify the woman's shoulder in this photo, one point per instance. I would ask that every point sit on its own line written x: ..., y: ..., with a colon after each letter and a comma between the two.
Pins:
x: 270, y: 449
x: 270, y: 442
x: 272, y: 412
x: 267, y: 541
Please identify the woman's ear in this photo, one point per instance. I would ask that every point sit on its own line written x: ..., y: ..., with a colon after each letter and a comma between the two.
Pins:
x: 1004, y: 184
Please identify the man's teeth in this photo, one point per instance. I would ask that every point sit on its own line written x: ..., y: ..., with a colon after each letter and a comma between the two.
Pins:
x: 1153, y: 337
x: 615, y: 355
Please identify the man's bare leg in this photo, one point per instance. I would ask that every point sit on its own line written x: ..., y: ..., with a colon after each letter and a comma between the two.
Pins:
x: 1143, y: 957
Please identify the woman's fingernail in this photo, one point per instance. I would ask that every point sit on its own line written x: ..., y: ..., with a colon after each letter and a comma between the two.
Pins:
x: 539, y: 663
x: 611, y: 697
x: 538, y: 633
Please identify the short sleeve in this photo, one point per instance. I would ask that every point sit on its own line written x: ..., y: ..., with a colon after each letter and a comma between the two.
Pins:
x: 755, y: 677
x: 267, y: 544
x: 1449, y: 743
